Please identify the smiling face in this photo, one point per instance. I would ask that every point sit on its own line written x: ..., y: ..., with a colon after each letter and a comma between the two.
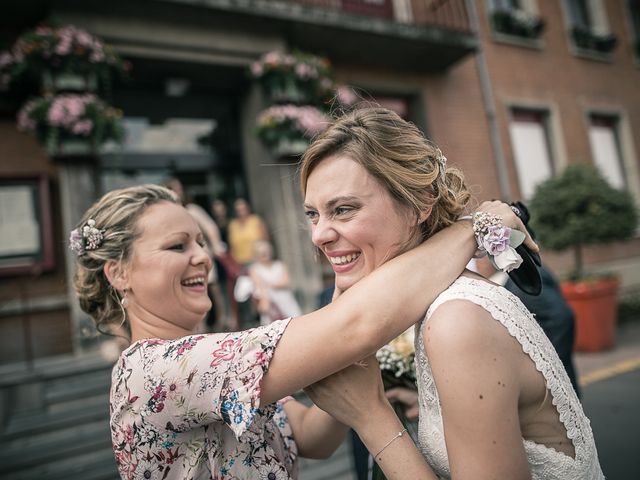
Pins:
x: 354, y: 220
x: 168, y: 269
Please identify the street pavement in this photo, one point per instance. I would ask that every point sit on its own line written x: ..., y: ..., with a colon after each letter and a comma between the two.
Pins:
x: 610, y: 383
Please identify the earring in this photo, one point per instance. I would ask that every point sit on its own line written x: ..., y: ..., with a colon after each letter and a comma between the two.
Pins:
x: 124, y: 301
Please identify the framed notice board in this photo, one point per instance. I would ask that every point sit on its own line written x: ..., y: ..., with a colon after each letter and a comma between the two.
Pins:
x: 26, y: 232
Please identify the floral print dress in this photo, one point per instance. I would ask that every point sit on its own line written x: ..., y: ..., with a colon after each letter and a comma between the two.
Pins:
x: 188, y: 409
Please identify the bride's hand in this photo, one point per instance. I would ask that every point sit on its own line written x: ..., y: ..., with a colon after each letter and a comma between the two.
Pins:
x: 348, y: 395
x: 509, y: 219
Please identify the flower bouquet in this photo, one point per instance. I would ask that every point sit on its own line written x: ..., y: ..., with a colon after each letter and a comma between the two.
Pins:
x: 297, y: 78
x: 60, y: 58
x: 397, y: 365
x: 81, y: 119
x: 287, y: 129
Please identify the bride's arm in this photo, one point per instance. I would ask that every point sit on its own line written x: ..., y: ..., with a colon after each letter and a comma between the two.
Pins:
x: 375, y: 310
x: 355, y: 396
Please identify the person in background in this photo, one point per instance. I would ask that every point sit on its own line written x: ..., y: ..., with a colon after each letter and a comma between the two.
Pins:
x: 244, y: 230
x: 209, y: 405
x: 227, y: 269
x: 272, y: 293
x: 221, y: 217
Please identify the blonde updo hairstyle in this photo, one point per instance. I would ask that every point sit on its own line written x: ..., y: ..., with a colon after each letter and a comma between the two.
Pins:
x: 116, y: 215
x: 405, y: 163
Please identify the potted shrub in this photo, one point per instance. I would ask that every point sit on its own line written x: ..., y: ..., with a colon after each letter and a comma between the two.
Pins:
x: 287, y: 129
x: 575, y: 209
x: 70, y: 124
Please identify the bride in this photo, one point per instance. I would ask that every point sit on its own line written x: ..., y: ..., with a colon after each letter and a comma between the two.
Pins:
x: 495, y: 400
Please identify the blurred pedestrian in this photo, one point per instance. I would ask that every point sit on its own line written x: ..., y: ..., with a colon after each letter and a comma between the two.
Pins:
x: 272, y: 293
x: 221, y: 216
x: 245, y: 229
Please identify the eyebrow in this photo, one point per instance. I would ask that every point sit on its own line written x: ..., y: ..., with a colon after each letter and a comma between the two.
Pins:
x: 334, y: 201
x: 184, y: 234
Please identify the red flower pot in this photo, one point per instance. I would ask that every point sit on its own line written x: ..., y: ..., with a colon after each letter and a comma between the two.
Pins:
x: 594, y: 304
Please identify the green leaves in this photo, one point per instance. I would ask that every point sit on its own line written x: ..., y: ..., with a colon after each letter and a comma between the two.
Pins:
x: 579, y: 207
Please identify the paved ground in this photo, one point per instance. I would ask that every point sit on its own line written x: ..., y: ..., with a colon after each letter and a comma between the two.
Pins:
x: 611, y: 399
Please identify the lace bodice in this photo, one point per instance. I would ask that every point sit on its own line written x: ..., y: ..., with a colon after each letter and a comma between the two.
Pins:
x: 545, y: 463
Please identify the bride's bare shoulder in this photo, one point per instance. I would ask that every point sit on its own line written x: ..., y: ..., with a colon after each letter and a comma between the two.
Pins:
x: 464, y: 328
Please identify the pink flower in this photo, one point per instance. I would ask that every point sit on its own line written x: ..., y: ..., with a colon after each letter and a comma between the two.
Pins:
x: 5, y: 59
x: 83, y: 127
x: 346, y: 96
x: 496, y: 240
x: 262, y: 357
x: 304, y: 71
x: 83, y: 38
x: 256, y: 69
x: 226, y: 352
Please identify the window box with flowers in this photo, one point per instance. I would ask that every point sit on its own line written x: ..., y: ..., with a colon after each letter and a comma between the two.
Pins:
x: 287, y: 129
x: 587, y: 39
x: 71, y: 124
x: 65, y: 58
x: 517, y: 23
x: 296, y: 78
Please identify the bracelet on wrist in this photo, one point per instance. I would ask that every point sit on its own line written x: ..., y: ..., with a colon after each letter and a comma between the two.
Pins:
x: 397, y: 436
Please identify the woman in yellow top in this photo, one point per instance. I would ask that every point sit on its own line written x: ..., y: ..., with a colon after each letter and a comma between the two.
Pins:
x: 244, y: 230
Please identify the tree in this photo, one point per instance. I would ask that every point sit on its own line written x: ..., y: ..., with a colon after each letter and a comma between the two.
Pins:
x: 579, y: 208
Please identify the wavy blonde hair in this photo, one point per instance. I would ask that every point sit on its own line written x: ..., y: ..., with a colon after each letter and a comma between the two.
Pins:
x: 116, y: 214
x: 398, y: 155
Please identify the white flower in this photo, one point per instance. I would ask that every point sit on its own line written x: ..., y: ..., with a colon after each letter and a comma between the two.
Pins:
x: 147, y: 470
x: 272, y: 472
x: 508, y: 260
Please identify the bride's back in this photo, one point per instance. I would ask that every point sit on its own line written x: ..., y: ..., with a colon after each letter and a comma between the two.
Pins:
x: 490, y: 381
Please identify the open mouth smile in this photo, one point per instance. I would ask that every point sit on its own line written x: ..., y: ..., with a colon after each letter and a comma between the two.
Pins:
x: 344, y: 259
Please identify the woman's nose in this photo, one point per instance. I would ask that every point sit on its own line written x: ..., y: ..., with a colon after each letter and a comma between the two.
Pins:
x: 202, y: 256
x: 323, y: 233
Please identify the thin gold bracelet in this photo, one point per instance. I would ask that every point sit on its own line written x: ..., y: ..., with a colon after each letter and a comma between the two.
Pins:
x: 398, y: 435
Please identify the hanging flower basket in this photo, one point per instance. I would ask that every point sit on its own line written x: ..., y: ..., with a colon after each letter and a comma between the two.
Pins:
x: 69, y: 82
x: 296, y: 78
x: 42, y: 54
x: 587, y: 39
x: 287, y: 129
x: 71, y: 124
x: 517, y: 22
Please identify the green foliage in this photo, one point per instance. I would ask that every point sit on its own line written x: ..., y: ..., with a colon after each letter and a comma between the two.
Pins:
x: 580, y: 208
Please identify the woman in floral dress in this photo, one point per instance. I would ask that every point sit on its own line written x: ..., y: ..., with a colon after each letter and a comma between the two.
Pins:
x: 187, y: 406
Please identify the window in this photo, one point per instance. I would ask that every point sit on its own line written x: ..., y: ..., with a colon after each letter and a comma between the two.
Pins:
x: 634, y: 16
x: 589, y: 27
x: 605, y: 148
x: 505, y: 4
x: 515, y: 18
x: 580, y: 14
x: 530, y: 142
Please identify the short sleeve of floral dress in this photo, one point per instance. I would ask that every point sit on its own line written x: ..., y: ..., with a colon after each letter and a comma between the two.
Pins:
x: 188, y: 409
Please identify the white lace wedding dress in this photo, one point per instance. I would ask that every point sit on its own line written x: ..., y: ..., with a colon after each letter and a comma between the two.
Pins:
x: 545, y: 463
